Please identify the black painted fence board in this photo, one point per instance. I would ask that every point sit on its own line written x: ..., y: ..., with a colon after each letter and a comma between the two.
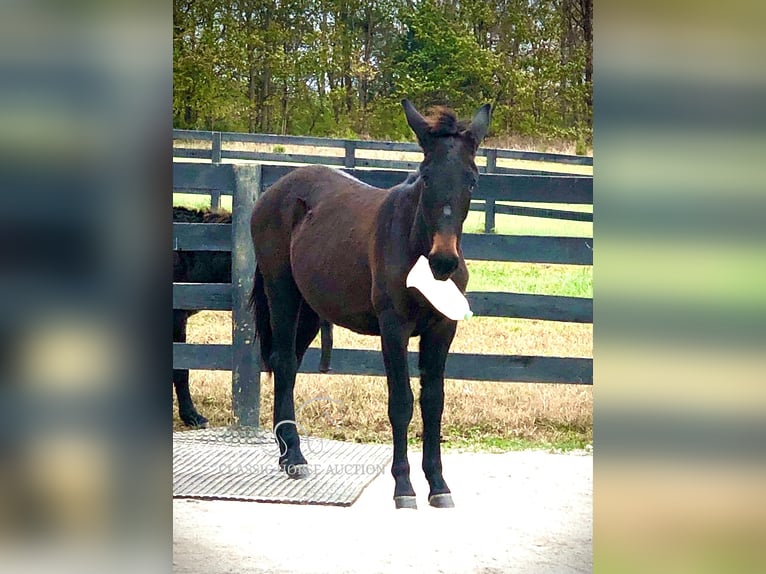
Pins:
x: 529, y: 188
x: 536, y: 188
x: 531, y: 306
x: 528, y: 249
x: 194, y: 296
x: 202, y: 357
x: 509, y: 368
x: 520, y: 248
x: 203, y: 176
x: 387, y: 164
x: 505, y: 368
x: 543, y: 212
x: 192, y: 135
x: 192, y: 153
x: 482, y: 247
x: 218, y: 296
x: 202, y: 236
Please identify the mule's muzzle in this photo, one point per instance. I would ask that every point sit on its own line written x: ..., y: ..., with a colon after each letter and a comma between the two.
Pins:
x: 442, y: 265
x: 443, y: 258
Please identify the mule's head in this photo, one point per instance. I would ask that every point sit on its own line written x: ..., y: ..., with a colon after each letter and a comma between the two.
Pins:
x: 448, y: 175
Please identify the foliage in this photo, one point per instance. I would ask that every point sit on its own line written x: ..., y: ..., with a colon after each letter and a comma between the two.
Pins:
x: 340, y: 67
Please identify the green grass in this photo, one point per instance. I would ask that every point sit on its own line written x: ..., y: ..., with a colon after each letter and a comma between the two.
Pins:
x: 197, y: 201
x: 522, y: 225
x: 475, y: 440
x: 490, y: 443
x: 545, y: 279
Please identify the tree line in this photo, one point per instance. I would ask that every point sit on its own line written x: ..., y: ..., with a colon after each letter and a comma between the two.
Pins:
x: 340, y: 67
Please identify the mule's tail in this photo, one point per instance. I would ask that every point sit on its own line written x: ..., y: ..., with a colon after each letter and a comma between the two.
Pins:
x: 260, y: 306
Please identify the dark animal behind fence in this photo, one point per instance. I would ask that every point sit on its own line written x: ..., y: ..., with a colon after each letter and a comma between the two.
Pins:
x: 329, y: 247
x: 195, y: 267
x: 208, y: 267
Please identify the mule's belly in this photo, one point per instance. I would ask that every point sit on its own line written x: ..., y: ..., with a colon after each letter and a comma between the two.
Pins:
x: 329, y: 261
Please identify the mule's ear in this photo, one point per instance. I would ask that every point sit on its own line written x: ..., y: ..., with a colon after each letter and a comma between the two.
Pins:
x: 480, y: 123
x: 415, y: 120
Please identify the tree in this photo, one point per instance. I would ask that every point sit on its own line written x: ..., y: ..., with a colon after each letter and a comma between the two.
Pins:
x: 340, y: 67
x: 438, y: 60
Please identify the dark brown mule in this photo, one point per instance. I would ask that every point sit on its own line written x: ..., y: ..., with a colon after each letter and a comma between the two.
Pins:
x: 208, y: 267
x: 330, y: 246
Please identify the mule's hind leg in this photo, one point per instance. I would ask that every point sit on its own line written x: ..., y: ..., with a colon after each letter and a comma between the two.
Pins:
x: 284, y: 306
x: 434, y: 345
x: 324, y: 362
x: 308, y: 327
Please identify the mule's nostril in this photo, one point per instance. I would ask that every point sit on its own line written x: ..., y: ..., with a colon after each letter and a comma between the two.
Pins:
x: 442, y: 266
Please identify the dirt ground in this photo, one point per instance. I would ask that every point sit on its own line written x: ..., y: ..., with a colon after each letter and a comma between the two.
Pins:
x: 528, y: 511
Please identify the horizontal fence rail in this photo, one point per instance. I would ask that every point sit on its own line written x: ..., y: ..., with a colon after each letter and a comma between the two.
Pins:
x: 501, y: 368
x: 217, y: 297
x: 350, y: 159
x: 491, y: 191
x: 246, y: 182
x: 519, y: 248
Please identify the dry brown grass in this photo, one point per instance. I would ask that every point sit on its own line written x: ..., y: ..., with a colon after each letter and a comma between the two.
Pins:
x: 483, y: 413
x: 533, y: 143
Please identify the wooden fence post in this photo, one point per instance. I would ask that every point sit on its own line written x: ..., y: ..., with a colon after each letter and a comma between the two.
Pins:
x: 215, y: 196
x: 349, y: 160
x: 246, y: 374
x: 489, y: 204
x: 215, y: 200
x: 216, y: 151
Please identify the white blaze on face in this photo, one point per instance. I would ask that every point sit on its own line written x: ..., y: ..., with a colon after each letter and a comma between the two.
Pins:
x: 447, y: 210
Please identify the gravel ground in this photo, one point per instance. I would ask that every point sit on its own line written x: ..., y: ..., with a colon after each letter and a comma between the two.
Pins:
x: 527, y: 511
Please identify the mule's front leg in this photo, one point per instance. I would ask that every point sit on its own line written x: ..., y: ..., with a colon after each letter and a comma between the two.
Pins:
x: 394, y: 336
x: 434, y: 345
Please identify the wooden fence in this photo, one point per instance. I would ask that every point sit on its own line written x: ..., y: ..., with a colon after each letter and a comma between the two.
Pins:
x: 245, y: 182
x: 350, y: 159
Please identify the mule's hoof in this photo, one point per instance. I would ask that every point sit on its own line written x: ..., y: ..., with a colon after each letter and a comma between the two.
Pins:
x: 297, y: 470
x: 441, y: 500
x: 195, y: 421
x: 406, y: 502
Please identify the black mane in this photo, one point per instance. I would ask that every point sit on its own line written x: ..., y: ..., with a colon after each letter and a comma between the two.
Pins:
x: 442, y: 122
